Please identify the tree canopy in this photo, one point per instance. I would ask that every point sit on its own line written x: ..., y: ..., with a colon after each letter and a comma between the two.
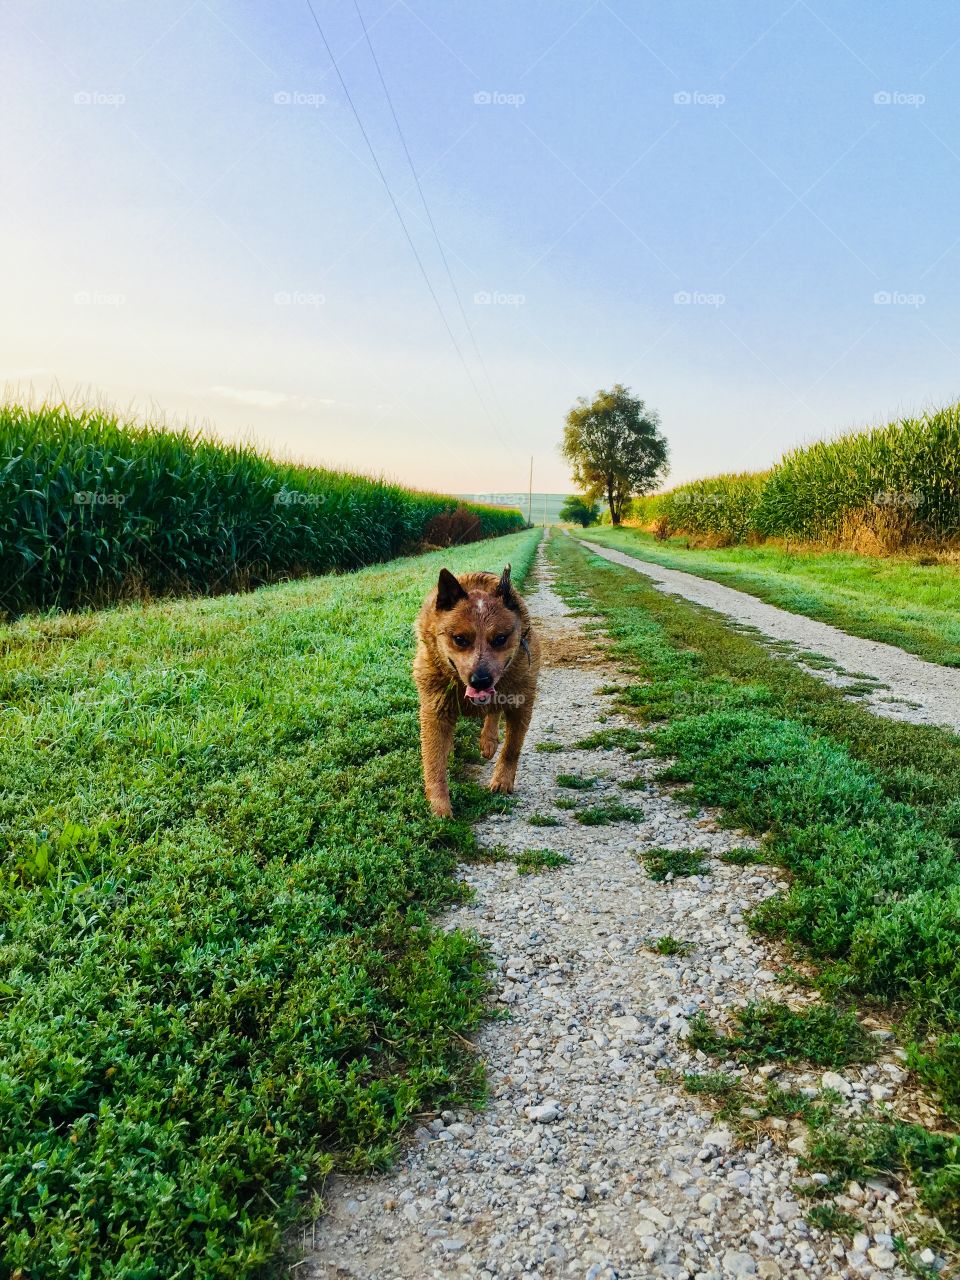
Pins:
x: 578, y: 510
x: 615, y: 447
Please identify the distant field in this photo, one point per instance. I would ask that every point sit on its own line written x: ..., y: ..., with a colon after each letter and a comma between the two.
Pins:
x: 545, y: 508
x: 890, y: 598
x: 219, y: 971
x: 94, y: 510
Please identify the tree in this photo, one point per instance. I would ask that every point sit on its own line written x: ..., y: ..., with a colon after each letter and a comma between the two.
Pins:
x: 615, y: 447
x: 582, y: 511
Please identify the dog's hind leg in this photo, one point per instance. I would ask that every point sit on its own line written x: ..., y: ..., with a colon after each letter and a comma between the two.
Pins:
x: 517, y: 720
x: 436, y: 743
x: 490, y: 735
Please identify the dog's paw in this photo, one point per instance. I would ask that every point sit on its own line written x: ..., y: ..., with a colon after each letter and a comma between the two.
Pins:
x: 442, y: 808
x: 503, y: 785
x: 488, y: 749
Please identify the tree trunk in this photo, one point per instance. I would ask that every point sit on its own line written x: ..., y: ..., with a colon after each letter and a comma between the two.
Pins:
x: 614, y: 513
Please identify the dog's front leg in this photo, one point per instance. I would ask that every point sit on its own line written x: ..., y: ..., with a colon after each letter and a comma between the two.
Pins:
x: 517, y: 721
x: 490, y: 735
x: 436, y: 743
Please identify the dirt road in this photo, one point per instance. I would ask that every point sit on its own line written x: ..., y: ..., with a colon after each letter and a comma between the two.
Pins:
x: 591, y: 1160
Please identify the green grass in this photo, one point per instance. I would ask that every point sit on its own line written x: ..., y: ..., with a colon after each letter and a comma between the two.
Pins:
x: 93, y: 509
x: 670, y: 946
x: 827, y: 1217
x: 601, y: 815
x: 893, y: 599
x: 863, y: 812
x: 532, y: 861
x: 743, y: 857
x: 725, y: 1091
x: 771, y: 1032
x: 543, y: 820
x: 575, y: 781
x: 661, y: 863
x: 639, y: 783
x: 550, y: 746
x: 219, y: 971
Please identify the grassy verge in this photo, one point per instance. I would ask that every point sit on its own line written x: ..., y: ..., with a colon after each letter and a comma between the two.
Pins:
x: 893, y: 599
x: 863, y: 812
x: 218, y: 976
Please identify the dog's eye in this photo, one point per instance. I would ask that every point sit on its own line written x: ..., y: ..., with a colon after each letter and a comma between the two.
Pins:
x: 499, y: 641
x: 462, y: 642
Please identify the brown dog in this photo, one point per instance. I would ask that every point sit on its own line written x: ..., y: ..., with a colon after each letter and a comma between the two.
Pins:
x: 477, y: 655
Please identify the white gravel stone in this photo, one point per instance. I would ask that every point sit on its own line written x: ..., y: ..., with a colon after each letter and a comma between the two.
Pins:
x: 832, y: 1080
x: 545, y: 1113
x: 882, y: 1257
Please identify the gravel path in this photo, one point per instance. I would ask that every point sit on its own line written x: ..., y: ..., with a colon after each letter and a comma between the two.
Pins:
x: 590, y: 1160
x: 910, y: 688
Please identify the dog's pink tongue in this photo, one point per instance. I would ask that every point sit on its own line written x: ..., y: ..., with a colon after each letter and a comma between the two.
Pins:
x: 479, y: 695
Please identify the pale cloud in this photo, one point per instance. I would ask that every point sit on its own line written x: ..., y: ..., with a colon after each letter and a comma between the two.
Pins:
x: 258, y: 399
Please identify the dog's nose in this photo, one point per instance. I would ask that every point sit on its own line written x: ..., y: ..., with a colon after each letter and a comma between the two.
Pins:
x: 481, y: 678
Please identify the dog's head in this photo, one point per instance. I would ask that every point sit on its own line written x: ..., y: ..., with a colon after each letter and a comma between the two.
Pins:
x: 478, y: 631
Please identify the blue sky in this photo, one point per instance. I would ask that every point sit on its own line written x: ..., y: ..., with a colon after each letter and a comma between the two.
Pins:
x: 746, y: 212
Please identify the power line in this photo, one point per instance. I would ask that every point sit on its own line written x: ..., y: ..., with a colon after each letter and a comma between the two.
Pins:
x: 426, y: 209
x: 393, y: 201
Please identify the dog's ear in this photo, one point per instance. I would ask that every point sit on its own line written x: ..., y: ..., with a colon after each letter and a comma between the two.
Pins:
x: 505, y: 590
x: 449, y: 591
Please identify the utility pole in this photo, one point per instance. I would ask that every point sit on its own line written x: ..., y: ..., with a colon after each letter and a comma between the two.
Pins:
x: 530, y: 494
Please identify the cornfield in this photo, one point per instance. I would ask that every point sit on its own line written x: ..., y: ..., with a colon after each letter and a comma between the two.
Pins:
x: 94, y: 510
x: 903, y: 478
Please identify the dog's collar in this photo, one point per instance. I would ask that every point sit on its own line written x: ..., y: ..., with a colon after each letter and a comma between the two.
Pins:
x: 524, y: 645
